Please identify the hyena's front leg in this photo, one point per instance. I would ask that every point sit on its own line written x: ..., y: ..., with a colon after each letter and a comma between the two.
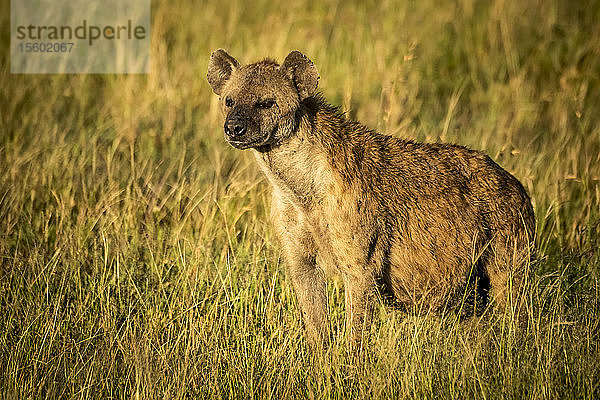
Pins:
x: 308, y: 278
x: 310, y: 287
x: 360, y: 297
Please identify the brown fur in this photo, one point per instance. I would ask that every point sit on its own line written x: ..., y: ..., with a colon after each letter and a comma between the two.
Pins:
x: 429, y: 226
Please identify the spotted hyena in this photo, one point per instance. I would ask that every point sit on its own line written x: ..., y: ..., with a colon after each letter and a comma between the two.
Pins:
x: 426, y: 226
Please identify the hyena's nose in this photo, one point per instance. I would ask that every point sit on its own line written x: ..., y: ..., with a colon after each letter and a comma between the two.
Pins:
x: 235, y: 127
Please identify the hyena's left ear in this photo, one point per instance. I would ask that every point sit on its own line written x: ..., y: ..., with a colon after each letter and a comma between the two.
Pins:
x: 220, y: 67
x: 302, y: 72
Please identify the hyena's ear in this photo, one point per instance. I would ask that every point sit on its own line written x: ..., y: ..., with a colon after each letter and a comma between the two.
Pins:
x: 220, y: 67
x: 302, y: 72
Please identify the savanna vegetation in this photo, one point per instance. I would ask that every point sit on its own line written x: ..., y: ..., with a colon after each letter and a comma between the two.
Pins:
x: 136, y: 256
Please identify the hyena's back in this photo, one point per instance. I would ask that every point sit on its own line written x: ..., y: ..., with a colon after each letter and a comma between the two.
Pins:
x: 454, y: 218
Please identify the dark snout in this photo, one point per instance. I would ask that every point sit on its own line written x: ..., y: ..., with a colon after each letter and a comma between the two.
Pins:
x: 235, y: 127
x: 242, y: 130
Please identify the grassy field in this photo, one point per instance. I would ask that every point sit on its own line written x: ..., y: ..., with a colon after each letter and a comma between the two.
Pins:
x: 137, y: 260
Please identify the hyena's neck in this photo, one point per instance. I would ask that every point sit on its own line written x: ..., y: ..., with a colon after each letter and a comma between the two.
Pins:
x: 301, y: 168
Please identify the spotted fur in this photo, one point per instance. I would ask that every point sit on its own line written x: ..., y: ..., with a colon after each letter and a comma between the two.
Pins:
x: 428, y: 227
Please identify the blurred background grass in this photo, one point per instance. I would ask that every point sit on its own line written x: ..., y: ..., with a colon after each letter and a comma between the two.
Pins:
x: 136, y: 256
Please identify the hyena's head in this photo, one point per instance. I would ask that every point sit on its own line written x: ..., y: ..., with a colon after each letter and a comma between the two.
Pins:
x: 260, y: 101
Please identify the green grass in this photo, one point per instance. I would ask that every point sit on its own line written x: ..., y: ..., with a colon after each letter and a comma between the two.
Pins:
x: 137, y: 260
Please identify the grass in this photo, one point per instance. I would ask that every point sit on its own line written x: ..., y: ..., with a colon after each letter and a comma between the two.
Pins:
x: 137, y: 260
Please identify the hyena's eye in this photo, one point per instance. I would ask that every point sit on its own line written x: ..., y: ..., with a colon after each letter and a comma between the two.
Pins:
x: 264, y: 104
x: 228, y: 102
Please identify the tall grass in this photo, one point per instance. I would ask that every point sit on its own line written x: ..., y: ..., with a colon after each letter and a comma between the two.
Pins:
x: 136, y: 255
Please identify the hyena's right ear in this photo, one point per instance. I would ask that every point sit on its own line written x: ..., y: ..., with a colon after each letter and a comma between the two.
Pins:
x: 220, y: 67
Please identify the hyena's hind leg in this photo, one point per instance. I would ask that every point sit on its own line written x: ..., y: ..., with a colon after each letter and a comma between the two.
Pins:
x: 509, y: 269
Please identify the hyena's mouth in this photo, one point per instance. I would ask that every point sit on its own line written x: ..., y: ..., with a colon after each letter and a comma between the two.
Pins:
x: 260, y: 142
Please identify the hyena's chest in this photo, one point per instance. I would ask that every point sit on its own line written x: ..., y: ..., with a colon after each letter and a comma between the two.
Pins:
x: 337, y: 232
x: 304, y: 181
